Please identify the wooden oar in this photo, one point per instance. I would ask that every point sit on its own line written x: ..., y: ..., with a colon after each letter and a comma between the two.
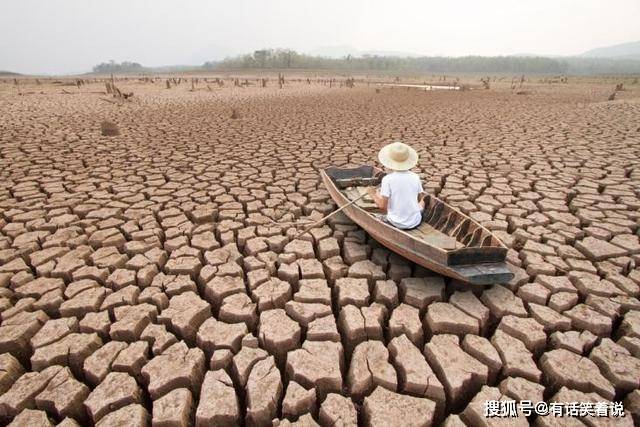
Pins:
x: 321, y: 220
x: 287, y: 224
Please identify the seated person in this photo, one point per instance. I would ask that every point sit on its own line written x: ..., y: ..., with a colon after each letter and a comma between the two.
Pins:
x: 401, y: 195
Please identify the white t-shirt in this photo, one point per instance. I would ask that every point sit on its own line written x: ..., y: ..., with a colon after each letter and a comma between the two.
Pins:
x: 402, y: 189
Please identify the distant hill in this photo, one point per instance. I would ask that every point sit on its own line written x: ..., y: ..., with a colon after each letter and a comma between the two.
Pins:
x: 8, y: 74
x: 618, y: 51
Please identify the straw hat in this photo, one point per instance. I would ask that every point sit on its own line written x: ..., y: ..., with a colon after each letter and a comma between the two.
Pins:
x: 398, y: 156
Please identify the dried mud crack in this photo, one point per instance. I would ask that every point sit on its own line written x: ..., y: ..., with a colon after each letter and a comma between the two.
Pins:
x: 142, y: 278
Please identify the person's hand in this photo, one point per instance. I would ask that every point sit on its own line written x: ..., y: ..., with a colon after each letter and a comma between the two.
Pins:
x: 371, y: 191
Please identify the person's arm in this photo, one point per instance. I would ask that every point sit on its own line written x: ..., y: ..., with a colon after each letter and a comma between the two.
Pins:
x: 421, y: 201
x: 380, y: 201
x: 421, y: 194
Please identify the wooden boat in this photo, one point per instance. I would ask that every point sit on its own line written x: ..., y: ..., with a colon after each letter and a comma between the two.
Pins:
x: 447, y: 241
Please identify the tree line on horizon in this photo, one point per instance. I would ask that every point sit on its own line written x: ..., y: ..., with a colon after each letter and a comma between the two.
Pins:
x: 289, y: 59
x: 119, y: 67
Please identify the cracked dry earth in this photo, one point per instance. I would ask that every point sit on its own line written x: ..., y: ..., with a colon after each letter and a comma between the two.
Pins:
x: 141, y: 280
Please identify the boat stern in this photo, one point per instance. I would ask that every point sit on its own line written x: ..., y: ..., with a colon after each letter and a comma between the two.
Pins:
x: 484, y: 274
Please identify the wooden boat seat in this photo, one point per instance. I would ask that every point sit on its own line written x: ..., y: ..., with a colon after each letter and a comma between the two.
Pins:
x: 435, y: 237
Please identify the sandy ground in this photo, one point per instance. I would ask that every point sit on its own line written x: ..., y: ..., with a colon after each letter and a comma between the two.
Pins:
x: 141, y: 278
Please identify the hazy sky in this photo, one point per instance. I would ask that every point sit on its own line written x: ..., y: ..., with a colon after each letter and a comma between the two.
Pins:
x: 67, y: 36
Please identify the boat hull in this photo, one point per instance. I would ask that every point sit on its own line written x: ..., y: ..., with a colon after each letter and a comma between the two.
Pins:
x: 400, y: 242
